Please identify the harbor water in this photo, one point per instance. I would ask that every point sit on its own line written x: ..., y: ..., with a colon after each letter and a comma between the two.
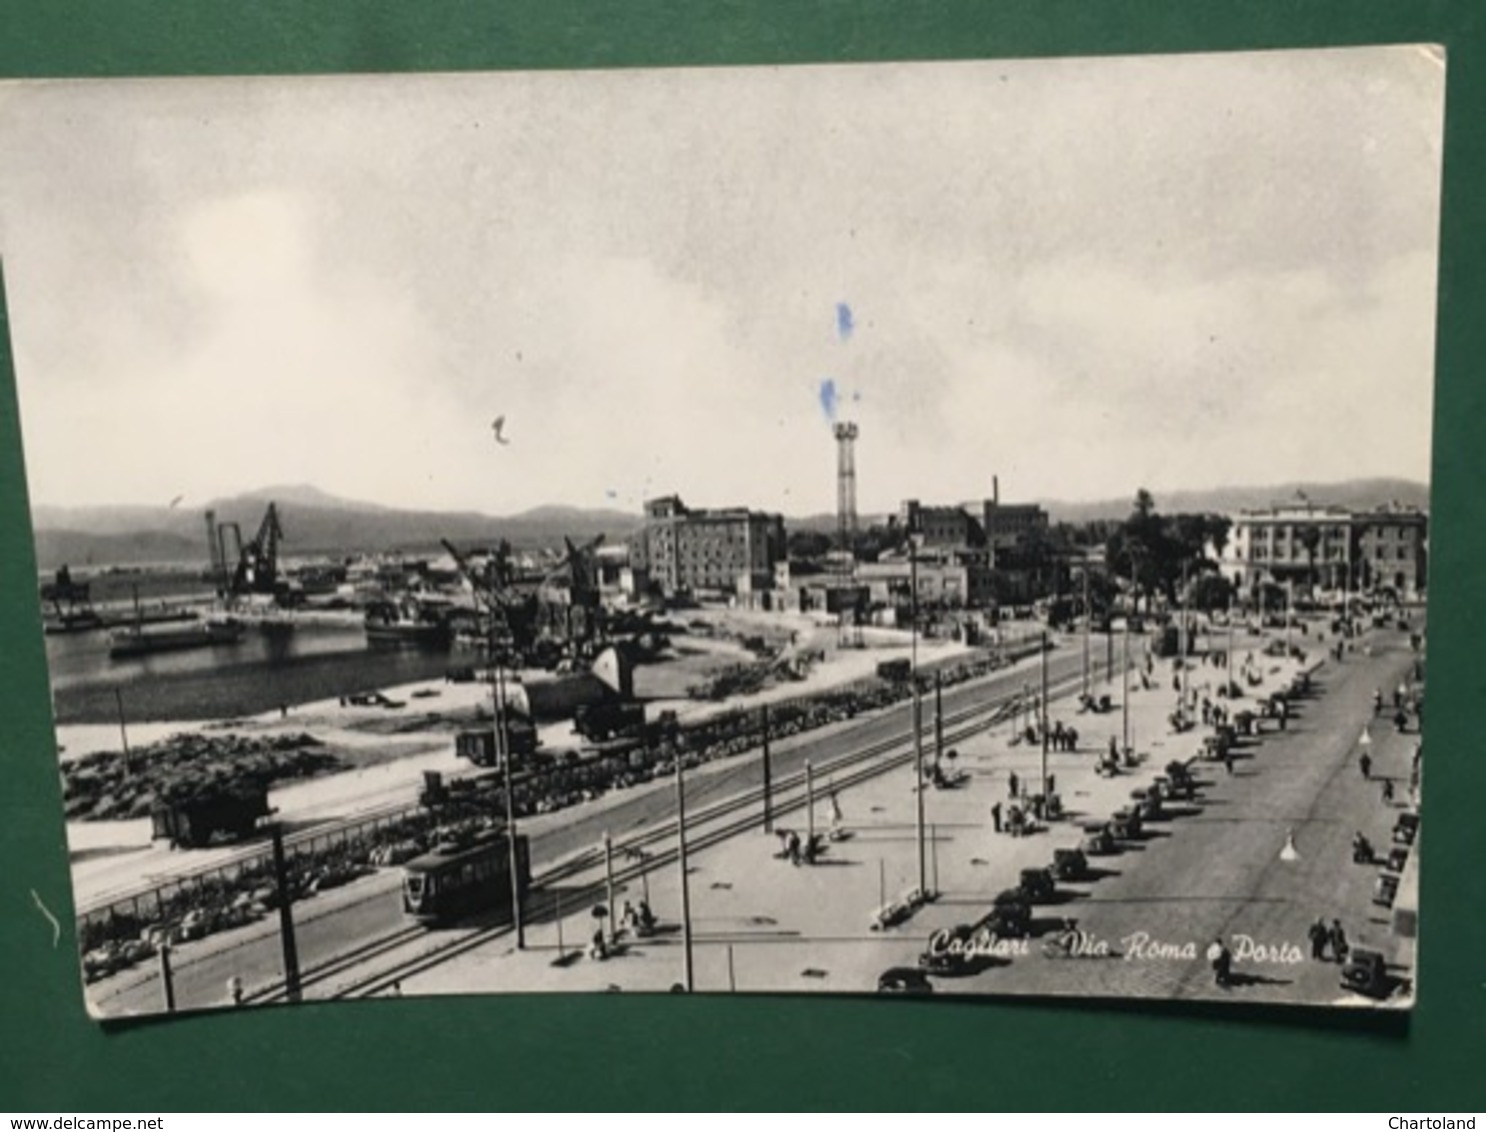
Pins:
x: 272, y: 666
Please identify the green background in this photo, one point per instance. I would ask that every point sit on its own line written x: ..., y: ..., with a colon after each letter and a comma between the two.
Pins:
x: 733, y: 1053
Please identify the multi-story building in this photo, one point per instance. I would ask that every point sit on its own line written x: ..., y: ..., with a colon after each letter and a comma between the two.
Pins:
x: 941, y: 526
x: 1328, y: 548
x: 1393, y: 550
x: 1012, y: 524
x: 727, y: 550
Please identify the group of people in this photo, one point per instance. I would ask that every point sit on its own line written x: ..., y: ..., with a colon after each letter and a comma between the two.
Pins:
x: 1324, y: 936
x: 638, y: 919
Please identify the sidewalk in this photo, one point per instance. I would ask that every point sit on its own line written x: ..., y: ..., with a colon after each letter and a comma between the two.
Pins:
x: 761, y: 924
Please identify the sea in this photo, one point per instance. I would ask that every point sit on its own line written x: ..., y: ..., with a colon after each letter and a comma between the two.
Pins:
x: 271, y: 667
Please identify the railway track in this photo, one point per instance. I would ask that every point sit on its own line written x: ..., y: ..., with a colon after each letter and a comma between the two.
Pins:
x: 728, y: 818
x: 105, y: 903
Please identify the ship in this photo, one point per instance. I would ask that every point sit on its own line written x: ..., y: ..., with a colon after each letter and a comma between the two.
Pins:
x: 418, y: 624
x: 140, y: 640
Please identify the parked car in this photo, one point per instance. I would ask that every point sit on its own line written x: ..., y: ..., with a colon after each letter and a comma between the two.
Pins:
x: 1385, y: 890
x: 1097, y: 841
x: 1366, y: 972
x: 1126, y: 825
x: 1037, y: 885
x: 1405, y: 829
x: 1070, y: 864
x: 904, y: 980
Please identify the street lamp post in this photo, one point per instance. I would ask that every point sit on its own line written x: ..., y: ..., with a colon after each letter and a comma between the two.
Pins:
x: 918, y: 721
x: 503, y: 752
x: 1125, y: 674
x: 1088, y: 620
x: 1042, y: 721
x: 685, y: 882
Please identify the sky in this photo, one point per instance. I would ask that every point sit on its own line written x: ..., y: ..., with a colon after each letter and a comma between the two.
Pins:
x: 1081, y: 276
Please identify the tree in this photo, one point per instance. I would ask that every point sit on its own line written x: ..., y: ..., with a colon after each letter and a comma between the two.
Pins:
x: 1210, y: 592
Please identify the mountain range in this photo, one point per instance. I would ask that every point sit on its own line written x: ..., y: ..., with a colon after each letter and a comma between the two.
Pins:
x: 315, y: 522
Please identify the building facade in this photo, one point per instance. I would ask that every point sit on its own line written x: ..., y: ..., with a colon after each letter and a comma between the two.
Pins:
x: 714, y: 551
x: 1328, y: 548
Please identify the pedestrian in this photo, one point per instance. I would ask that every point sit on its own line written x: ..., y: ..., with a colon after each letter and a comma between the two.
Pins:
x: 1222, y: 960
x: 1282, y: 709
x: 1318, y: 934
x: 1012, y: 784
x: 235, y: 990
x: 1338, y: 940
x: 996, y: 817
x: 1228, y: 759
x: 1364, y: 764
x: 1387, y: 791
x: 1037, y: 803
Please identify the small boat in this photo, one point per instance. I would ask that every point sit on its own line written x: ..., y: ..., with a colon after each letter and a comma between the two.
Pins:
x: 407, y: 623
x: 141, y: 640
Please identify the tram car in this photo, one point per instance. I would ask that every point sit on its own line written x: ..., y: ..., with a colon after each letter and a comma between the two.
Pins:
x: 455, y: 880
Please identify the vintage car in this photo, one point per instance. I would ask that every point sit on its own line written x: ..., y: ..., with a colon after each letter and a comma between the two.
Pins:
x: 1405, y: 829
x: 1070, y: 864
x: 1037, y: 885
x: 1097, y: 840
x: 1385, y: 890
x: 1398, y: 857
x: 1126, y: 825
x: 1010, y: 916
x: 1366, y: 972
x: 1148, y: 802
x: 904, y: 980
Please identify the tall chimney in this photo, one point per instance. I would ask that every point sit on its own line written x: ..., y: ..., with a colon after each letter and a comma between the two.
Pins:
x: 996, y: 490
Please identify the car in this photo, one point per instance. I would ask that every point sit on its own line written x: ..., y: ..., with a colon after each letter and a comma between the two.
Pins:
x: 1070, y: 864
x: 904, y: 980
x: 1385, y: 890
x: 1097, y: 840
x: 1366, y: 972
x: 1037, y: 885
x: 1010, y: 916
x: 1125, y: 825
x: 1405, y: 829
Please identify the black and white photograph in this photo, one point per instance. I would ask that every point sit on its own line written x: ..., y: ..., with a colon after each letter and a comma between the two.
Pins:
x: 934, y: 528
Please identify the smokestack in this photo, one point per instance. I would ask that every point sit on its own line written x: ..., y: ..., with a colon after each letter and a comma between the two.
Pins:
x: 996, y: 491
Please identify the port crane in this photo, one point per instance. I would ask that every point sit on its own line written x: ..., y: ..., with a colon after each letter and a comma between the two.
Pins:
x: 257, y: 560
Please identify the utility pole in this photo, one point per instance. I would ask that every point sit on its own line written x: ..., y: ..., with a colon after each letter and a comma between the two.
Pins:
x: 1088, y: 621
x: 1044, y: 715
x: 167, y: 983
x: 809, y: 807
x: 1125, y: 674
x: 918, y: 722
x: 503, y: 752
x: 689, y: 982
x: 938, y: 719
x: 1230, y: 646
x: 768, y: 774
x: 286, y: 917
x: 1289, y: 608
x: 612, y: 917
x: 123, y: 732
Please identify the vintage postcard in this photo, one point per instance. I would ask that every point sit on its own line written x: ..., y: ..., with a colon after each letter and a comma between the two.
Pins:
x: 952, y: 528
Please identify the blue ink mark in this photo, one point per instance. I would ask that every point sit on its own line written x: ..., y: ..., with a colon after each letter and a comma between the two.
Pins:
x: 844, y: 324
x: 855, y: 396
x: 828, y: 399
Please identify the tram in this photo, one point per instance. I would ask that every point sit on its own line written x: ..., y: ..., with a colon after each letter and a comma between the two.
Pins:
x: 454, y: 880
